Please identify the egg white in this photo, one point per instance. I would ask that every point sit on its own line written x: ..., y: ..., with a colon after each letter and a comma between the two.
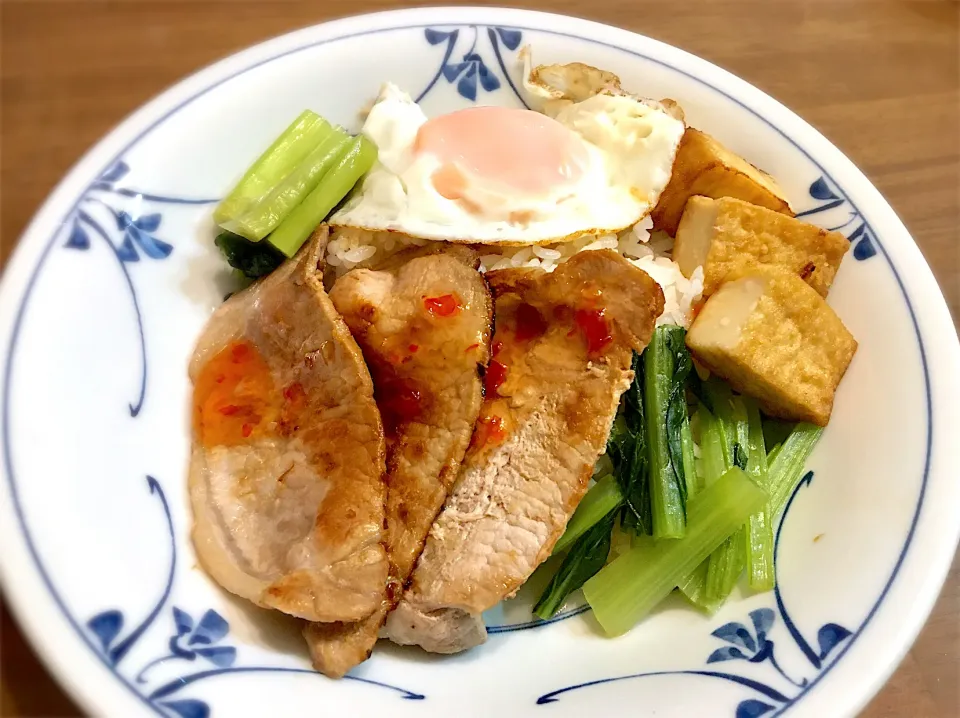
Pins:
x: 631, y: 146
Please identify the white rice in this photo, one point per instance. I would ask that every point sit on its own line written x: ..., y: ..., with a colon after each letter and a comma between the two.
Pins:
x: 352, y: 248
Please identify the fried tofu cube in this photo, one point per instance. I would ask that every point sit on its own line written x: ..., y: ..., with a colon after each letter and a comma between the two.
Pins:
x: 772, y: 337
x: 729, y: 235
x: 705, y: 167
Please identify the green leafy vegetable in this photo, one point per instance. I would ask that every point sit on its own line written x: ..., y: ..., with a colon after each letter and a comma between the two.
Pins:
x: 629, y: 587
x: 356, y: 158
x: 627, y: 451
x: 586, y: 557
x: 677, y: 419
x: 603, y: 498
x: 252, y: 259
x: 666, y: 366
x: 689, y: 459
x: 786, y: 469
x: 724, y: 567
x: 720, y: 398
x: 727, y: 562
x: 694, y: 589
x: 713, y: 465
x: 712, y: 446
x: 269, y: 211
x: 278, y: 161
x: 759, y: 529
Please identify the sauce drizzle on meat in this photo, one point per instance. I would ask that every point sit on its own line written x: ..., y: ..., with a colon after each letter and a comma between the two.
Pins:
x: 496, y: 375
x: 232, y: 399
x: 596, y: 329
x: 400, y: 400
x: 530, y: 323
x: 447, y: 305
x: 489, y: 432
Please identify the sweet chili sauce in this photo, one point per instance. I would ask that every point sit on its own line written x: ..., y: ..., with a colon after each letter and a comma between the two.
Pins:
x: 489, y: 431
x: 400, y: 401
x: 234, y: 396
x: 596, y: 329
x: 494, y: 378
x: 530, y: 324
x: 446, y: 305
x: 235, y: 399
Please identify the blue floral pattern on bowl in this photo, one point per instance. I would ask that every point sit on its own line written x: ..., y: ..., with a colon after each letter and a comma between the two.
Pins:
x: 754, y: 648
x: 111, y: 213
x: 830, y: 198
x: 471, y: 70
x: 189, y: 641
x: 103, y: 197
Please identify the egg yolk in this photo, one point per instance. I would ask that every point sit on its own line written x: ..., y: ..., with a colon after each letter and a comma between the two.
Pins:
x: 518, y: 149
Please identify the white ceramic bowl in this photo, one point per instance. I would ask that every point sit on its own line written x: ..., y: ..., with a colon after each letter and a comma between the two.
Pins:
x: 117, y: 273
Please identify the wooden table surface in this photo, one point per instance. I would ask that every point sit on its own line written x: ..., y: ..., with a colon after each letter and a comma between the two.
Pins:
x: 878, y: 77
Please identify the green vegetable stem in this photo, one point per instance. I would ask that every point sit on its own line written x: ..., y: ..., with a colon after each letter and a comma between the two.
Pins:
x: 266, y: 214
x: 727, y: 562
x: 356, y: 158
x: 759, y: 528
x: 603, y: 498
x: 666, y: 366
x: 627, y: 589
x: 278, y: 161
x: 586, y: 557
x: 786, y: 468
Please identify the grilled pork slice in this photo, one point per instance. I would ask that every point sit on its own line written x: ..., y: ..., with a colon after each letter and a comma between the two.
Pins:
x: 560, y: 361
x: 286, y: 474
x: 423, y: 323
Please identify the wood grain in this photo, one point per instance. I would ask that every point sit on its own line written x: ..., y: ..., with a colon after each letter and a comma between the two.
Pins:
x: 877, y: 77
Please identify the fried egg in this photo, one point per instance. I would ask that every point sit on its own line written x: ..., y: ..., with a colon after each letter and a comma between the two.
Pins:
x: 510, y: 175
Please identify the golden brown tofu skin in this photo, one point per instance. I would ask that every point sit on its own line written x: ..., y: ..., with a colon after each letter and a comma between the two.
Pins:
x: 705, y: 167
x: 728, y: 235
x: 771, y: 336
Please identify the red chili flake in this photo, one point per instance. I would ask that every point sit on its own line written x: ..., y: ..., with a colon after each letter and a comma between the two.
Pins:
x: 530, y: 323
x: 246, y: 430
x: 229, y: 409
x: 413, y: 348
x: 220, y: 378
x: 595, y: 328
x: 443, y: 306
x: 472, y: 347
x: 240, y: 352
x: 494, y: 378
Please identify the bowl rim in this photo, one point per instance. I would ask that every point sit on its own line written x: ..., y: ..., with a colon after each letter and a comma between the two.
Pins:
x: 36, y: 612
